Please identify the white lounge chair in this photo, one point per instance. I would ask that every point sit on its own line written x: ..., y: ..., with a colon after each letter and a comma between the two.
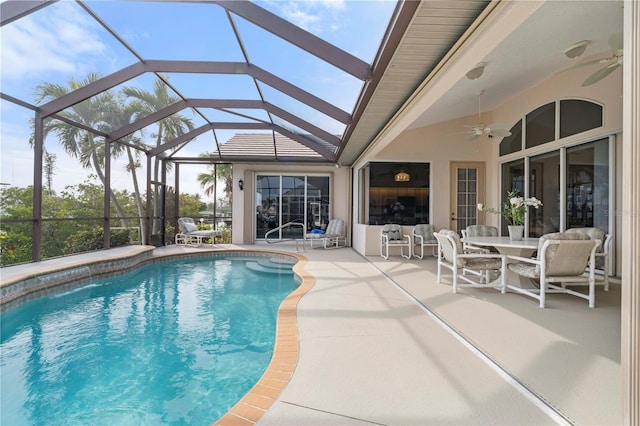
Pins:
x: 333, y: 236
x: 561, y: 260
x: 190, y: 235
x: 451, y: 255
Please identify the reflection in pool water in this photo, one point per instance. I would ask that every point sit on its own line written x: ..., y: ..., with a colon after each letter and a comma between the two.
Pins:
x: 175, y: 342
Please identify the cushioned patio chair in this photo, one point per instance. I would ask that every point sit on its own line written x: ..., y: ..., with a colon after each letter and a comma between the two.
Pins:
x: 391, y: 235
x: 333, y: 236
x: 451, y: 255
x: 561, y: 260
x: 602, y: 252
x: 422, y: 235
x: 190, y: 235
x: 480, y: 231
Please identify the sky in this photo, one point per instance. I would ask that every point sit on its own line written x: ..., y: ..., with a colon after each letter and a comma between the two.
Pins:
x: 62, y: 41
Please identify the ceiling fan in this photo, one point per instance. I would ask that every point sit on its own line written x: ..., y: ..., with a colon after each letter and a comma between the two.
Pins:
x: 480, y: 128
x: 612, y: 63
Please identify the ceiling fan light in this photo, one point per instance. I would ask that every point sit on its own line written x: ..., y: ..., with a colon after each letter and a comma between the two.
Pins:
x: 576, y: 49
x: 477, y: 71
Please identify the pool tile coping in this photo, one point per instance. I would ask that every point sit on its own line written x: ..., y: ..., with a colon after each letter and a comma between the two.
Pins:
x: 284, y: 361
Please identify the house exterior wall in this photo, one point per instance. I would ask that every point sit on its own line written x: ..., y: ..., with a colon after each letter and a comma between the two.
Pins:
x: 243, y: 208
x: 443, y: 143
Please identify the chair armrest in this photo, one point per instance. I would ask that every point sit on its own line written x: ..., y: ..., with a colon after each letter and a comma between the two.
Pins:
x: 418, y: 237
x: 474, y: 249
x: 525, y: 259
x: 482, y: 255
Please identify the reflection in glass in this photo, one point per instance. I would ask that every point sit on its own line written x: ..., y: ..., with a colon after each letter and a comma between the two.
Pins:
x: 513, y: 143
x: 544, y: 184
x: 398, y: 202
x: 512, y: 179
x: 284, y: 199
x: 588, y: 185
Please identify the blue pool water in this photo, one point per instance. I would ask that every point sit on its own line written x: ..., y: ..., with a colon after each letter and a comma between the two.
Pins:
x: 176, y: 342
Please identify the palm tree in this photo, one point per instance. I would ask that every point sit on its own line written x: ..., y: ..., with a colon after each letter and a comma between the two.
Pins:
x: 117, y: 118
x: 77, y: 142
x: 145, y: 103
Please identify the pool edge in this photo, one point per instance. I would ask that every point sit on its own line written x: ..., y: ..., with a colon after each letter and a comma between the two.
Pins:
x: 255, y: 403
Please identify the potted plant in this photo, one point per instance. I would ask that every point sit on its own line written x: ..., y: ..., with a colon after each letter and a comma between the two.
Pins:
x: 514, y: 211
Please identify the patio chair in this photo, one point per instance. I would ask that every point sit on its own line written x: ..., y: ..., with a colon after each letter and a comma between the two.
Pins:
x: 190, y: 235
x: 602, y: 252
x: 422, y: 235
x: 451, y: 255
x: 480, y: 231
x: 333, y: 236
x: 391, y: 235
x: 561, y: 260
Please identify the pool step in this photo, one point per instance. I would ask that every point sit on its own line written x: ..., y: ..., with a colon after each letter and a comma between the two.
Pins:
x: 269, y: 267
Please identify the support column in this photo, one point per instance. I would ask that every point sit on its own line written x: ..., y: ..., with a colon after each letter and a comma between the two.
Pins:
x: 630, y: 341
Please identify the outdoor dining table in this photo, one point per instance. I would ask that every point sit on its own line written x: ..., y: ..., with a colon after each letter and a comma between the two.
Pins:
x: 508, y: 247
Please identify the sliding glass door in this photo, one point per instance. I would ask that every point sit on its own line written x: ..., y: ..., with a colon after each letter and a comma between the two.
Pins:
x: 284, y: 199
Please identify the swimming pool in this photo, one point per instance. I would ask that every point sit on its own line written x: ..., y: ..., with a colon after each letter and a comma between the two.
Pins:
x: 173, y: 342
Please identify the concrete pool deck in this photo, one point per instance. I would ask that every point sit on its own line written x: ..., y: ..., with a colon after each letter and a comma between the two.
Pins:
x: 380, y: 342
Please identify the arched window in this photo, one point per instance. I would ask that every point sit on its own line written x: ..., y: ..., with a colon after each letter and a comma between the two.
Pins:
x: 573, y: 116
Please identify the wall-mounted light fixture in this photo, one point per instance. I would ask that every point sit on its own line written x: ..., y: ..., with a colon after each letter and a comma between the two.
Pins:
x: 402, y: 176
x: 241, y: 184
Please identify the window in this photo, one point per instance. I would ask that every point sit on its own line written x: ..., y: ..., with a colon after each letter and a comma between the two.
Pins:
x: 512, y: 143
x: 574, y: 116
x: 512, y: 178
x: 578, y: 116
x: 588, y: 185
x: 541, y: 125
x: 544, y: 184
x: 395, y: 198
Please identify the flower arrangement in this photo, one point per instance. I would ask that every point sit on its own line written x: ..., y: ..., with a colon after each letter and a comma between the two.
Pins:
x: 515, y: 208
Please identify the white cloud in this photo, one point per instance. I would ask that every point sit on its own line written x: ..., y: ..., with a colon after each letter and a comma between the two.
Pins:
x: 62, y: 41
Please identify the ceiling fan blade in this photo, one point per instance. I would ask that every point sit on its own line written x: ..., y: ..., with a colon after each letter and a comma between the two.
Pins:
x: 473, y: 137
x: 615, y: 41
x: 600, y: 74
x: 500, y: 133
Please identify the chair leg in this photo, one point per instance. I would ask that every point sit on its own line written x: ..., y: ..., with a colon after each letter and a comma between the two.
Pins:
x: 606, y: 273
x: 455, y: 280
x: 592, y: 289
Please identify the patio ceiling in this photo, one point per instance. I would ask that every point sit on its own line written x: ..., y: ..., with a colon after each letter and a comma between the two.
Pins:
x: 291, y: 121
x: 521, y: 44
